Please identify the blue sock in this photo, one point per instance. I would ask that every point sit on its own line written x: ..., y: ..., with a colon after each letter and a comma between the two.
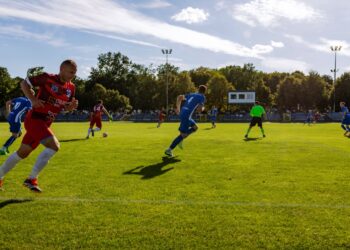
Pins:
x: 176, y: 141
x: 343, y: 126
x: 9, y: 142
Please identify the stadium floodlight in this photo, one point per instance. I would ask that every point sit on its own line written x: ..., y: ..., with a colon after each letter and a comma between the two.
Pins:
x: 335, y: 70
x: 167, y: 52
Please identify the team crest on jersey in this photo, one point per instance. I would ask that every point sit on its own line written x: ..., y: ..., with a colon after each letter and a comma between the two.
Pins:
x: 54, y: 88
x: 68, y: 93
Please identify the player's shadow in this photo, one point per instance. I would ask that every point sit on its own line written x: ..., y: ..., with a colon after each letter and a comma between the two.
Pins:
x: 13, y: 201
x: 154, y: 170
x: 73, y: 140
x: 208, y: 128
x: 252, y: 139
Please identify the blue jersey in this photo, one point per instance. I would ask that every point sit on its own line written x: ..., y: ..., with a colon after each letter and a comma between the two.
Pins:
x: 191, y: 103
x: 214, y: 112
x: 20, y: 106
x: 344, y: 110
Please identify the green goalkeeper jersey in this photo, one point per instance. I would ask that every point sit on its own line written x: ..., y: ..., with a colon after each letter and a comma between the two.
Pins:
x: 257, y: 111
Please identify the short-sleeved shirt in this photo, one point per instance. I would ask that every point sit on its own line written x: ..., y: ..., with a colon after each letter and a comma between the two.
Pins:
x: 20, y: 106
x: 345, y: 110
x: 53, y: 92
x: 214, y: 112
x: 191, y: 103
x: 97, y: 110
x: 257, y: 111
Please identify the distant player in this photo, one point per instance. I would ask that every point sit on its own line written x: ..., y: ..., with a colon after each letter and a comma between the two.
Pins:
x: 256, y: 113
x: 96, y: 118
x: 15, y: 109
x: 346, y: 118
x: 309, y: 118
x: 192, y: 102
x: 213, y: 115
x: 161, y: 117
x: 56, y: 93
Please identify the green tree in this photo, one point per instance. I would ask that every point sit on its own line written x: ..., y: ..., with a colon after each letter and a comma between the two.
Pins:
x: 218, y: 88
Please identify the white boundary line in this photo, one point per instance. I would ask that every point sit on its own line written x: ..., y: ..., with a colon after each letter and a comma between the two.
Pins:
x: 179, y: 202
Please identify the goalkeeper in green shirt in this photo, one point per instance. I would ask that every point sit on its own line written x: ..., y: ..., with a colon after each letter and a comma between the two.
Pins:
x: 256, y: 113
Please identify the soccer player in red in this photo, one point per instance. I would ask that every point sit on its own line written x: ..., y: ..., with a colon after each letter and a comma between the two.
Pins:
x: 56, y: 93
x: 96, y: 118
x: 161, y: 117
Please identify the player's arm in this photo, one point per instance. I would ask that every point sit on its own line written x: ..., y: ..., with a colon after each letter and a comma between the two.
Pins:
x: 8, y: 107
x: 179, y: 100
x: 36, y: 103
x: 106, y: 112
x: 72, y: 105
x: 200, y: 108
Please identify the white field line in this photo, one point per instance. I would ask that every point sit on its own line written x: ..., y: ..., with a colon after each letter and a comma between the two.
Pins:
x: 179, y: 202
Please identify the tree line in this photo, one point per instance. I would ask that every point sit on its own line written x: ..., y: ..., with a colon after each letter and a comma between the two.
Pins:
x: 122, y: 84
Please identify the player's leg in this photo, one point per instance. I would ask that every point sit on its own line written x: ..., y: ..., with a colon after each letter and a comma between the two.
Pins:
x: 261, y: 127
x: 252, y: 124
x: 90, y: 130
x: 23, y: 151
x: 98, y: 125
x: 184, y: 127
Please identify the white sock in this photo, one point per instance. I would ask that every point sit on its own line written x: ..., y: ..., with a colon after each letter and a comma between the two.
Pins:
x: 9, y: 164
x: 97, y: 129
x: 41, y: 162
x: 89, y: 130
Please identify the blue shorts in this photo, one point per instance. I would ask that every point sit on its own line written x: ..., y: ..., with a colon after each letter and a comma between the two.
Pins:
x: 346, y: 121
x: 15, y: 127
x: 186, y: 124
x: 213, y: 118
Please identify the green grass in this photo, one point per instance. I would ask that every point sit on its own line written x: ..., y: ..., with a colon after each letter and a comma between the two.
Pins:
x: 288, y: 191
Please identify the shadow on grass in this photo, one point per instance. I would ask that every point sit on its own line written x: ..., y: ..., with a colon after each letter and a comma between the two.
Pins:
x: 154, y: 170
x: 252, y: 139
x: 73, y: 140
x: 208, y: 128
x: 13, y: 201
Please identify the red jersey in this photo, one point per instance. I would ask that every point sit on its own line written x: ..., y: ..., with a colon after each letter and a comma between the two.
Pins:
x: 97, y: 110
x: 53, y: 92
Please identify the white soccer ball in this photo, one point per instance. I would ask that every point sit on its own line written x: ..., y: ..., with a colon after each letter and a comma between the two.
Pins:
x: 104, y: 134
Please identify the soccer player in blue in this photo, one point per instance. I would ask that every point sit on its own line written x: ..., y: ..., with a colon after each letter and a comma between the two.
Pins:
x: 346, y: 118
x: 192, y: 102
x: 15, y: 109
x: 213, y: 116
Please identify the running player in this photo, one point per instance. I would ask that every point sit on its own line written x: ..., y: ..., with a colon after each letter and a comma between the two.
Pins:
x: 213, y: 116
x: 256, y: 113
x: 309, y: 118
x: 56, y: 93
x: 192, y: 102
x: 346, y: 118
x: 15, y: 109
x: 161, y: 117
x: 96, y: 118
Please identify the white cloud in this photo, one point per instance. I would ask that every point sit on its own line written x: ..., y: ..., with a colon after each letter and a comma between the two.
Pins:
x: 18, y: 31
x: 191, y: 15
x: 284, y: 64
x: 155, y: 4
x: 324, y: 44
x: 269, y: 13
x: 111, y: 19
x: 277, y: 44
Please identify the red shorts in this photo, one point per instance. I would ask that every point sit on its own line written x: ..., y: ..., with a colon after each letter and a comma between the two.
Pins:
x: 97, y: 121
x: 37, y: 130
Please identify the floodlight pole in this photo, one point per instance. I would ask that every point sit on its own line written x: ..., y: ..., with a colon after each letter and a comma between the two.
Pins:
x: 335, y: 70
x: 167, y: 52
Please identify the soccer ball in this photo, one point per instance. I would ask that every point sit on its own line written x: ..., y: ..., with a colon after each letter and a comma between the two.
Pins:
x: 104, y: 134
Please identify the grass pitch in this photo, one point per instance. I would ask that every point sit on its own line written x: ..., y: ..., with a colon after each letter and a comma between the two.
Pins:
x: 287, y: 191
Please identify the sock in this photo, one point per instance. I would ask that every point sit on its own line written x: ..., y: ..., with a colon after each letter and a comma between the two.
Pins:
x: 347, y: 128
x: 262, y: 131
x: 96, y: 129
x: 343, y: 126
x: 9, y: 164
x: 176, y: 141
x: 41, y: 162
x: 248, y: 130
x: 9, y: 142
x: 89, y: 131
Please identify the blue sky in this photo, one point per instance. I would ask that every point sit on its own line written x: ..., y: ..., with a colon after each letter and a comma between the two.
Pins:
x: 274, y: 35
